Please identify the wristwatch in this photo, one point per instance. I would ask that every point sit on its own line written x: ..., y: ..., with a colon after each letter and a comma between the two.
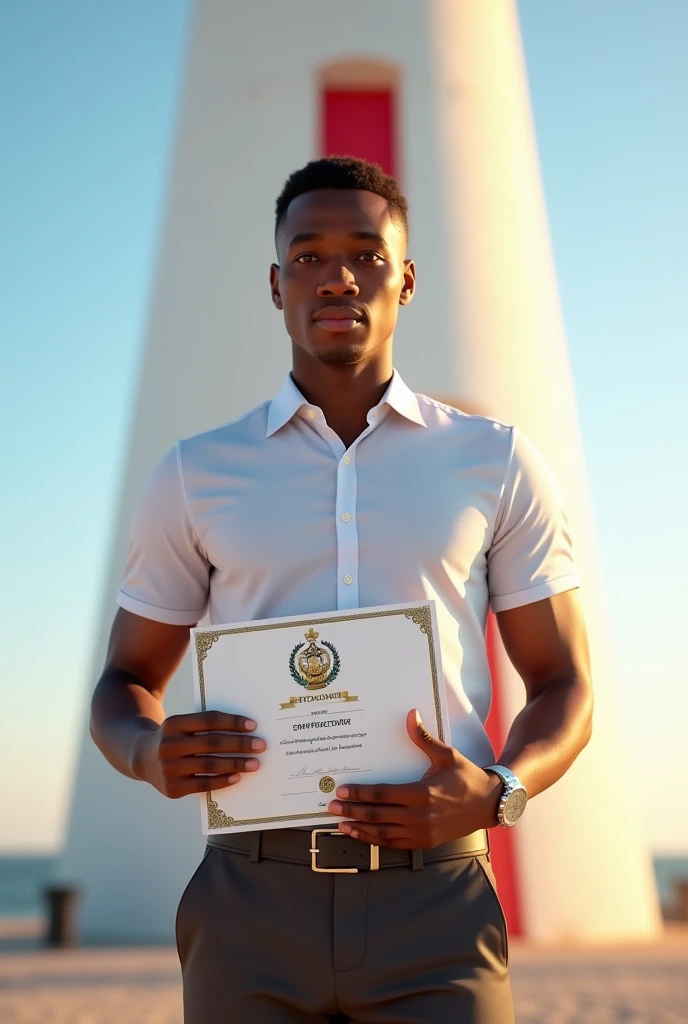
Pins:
x: 514, y: 796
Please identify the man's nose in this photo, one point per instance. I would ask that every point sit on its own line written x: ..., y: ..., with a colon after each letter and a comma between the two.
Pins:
x: 338, y: 280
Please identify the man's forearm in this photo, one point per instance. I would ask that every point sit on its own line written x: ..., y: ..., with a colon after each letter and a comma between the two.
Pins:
x: 549, y: 733
x: 122, y: 710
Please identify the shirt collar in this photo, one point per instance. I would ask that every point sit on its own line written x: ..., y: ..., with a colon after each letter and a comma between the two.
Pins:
x: 400, y: 398
x: 289, y: 400
x: 284, y: 406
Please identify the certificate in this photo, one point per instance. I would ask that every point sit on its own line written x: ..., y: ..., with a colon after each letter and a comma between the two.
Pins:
x: 330, y: 693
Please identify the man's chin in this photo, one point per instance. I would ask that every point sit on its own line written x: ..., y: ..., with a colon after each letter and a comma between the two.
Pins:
x: 341, y: 355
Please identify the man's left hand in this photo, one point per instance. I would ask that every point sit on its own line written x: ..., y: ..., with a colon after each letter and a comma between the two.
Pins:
x: 454, y: 798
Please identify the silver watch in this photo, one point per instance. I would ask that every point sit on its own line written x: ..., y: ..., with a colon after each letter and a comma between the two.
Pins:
x: 514, y: 796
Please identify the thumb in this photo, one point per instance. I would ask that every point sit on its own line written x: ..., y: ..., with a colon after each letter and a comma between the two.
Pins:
x: 439, y: 753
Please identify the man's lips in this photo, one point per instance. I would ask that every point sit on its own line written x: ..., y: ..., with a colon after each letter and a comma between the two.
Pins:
x: 337, y: 324
x: 337, y: 319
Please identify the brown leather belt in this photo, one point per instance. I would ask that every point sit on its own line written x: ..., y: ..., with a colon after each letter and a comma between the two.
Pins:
x: 329, y: 850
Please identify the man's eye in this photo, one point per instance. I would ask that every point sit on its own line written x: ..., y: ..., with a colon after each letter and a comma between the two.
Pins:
x: 369, y: 257
x: 306, y: 257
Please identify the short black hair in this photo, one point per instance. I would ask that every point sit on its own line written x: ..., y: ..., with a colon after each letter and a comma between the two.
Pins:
x: 343, y: 172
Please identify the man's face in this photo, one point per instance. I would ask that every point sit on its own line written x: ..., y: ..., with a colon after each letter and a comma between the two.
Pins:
x: 342, y: 274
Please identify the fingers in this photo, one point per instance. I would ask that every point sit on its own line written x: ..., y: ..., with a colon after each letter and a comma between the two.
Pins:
x: 184, y: 767
x: 431, y: 746
x: 411, y: 794
x: 211, y: 743
x: 373, y: 813
x: 184, y: 775
x: 208, y: 721
x: 176, y: 788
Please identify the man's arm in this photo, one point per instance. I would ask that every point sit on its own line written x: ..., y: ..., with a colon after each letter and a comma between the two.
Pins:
x: 129, y: 726
x: 547, y: 644
x: 546, y: 641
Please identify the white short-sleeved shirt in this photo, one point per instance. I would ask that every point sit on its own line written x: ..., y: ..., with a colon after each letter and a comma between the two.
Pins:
x: 272, y: 515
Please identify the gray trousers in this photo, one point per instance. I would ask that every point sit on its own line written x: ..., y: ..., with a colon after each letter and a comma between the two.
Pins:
x: 275, y: 943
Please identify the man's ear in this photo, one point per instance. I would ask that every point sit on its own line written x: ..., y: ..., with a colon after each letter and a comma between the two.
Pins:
x: 409, y: 285
x: 274, y: 286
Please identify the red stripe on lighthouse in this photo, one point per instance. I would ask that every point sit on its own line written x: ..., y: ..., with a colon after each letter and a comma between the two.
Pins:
x: 502, y: 840
x: 360, y: 123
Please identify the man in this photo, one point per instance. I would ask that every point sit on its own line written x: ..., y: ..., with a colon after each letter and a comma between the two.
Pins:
x: 348, y: 490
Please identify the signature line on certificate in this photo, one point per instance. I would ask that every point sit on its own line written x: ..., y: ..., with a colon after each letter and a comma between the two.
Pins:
x: 334, y: 771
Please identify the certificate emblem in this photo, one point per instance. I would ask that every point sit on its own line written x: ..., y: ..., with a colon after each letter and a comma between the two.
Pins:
x: 327, y: 783
x: 314, y: 666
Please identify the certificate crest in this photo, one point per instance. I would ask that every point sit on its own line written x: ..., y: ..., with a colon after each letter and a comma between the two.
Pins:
x: 312, y: 665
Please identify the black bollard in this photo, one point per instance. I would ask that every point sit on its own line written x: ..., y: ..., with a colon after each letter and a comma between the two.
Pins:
x: 681, y: 901
x: 61, y: 915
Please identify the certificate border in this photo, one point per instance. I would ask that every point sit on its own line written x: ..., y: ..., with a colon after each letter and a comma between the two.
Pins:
x: 422, y: 617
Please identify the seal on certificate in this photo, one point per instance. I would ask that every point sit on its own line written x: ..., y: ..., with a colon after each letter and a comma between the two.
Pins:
x: 314, y: 666
x: 327, y: 783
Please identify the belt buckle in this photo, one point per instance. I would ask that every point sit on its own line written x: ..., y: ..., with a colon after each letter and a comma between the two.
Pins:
x: 374, y: 856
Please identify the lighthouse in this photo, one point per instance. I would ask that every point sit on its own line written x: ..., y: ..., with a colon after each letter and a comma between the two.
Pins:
x: 436, y: 92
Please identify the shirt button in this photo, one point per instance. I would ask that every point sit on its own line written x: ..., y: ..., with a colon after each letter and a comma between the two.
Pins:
x: 346, y: 516
x: 376, y: 412
x: 311, y: 414
x: 347, y: 460
x: 348, y: 579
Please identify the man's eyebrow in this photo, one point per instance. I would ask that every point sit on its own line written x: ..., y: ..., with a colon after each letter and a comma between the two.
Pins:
x: 368, y: 236
x: 359, y: 236
x: 306, y: 237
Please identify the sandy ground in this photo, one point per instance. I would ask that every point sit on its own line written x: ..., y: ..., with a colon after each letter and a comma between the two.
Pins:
x: 640, y: 985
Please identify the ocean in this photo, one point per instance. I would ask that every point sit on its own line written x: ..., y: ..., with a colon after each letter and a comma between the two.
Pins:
x: 22, y: 880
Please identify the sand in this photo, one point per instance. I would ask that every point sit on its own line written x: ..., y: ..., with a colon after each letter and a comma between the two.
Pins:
x: 642, y: 985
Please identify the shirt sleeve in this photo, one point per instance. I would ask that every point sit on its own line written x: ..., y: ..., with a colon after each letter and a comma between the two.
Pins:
x: 531, y: 556
x: 167, y: 574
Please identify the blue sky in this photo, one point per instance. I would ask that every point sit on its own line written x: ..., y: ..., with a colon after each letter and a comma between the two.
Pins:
x: 89, y: 94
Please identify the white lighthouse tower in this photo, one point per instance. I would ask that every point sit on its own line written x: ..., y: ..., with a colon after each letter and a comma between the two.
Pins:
x: 435, y: 91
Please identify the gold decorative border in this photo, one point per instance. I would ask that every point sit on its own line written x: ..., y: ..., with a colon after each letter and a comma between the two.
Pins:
x: 218, y: 819
x: 422, y: 617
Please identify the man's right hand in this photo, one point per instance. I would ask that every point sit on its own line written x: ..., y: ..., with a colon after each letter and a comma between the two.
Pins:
x: 197, y: 752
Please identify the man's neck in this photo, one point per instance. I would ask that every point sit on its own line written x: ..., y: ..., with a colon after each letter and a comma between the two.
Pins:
x: 344, y: 393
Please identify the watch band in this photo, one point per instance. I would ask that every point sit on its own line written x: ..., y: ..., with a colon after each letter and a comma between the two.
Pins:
x: 505, y: 774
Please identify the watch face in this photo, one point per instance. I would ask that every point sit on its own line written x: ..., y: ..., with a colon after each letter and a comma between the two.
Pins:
x: 515, y: 806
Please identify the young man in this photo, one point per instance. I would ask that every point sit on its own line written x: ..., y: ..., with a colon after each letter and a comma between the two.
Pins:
x: 348, y: 490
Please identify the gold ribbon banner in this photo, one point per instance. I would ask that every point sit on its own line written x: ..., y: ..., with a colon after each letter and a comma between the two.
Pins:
x: 342, y: 695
